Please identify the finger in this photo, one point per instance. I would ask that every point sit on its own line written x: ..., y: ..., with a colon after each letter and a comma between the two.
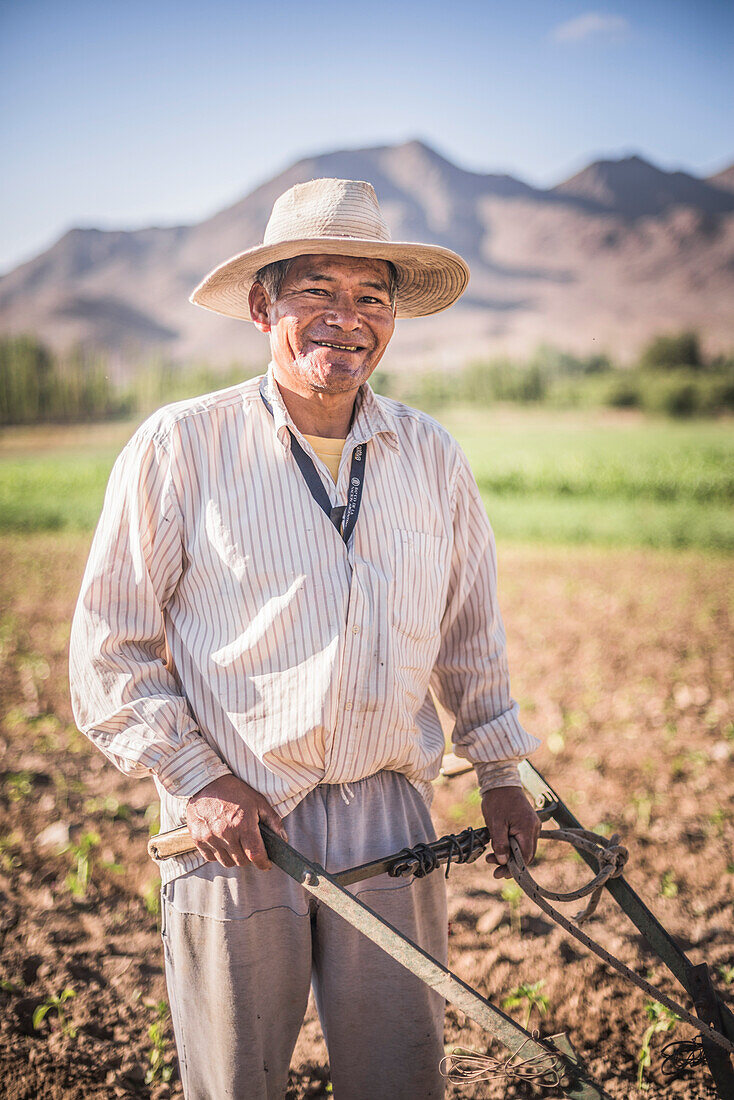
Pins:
x: 206, y: 851
x: 269, y: 816
x: 500, y: 870
x: 252, y: 845
x: 527, y: 838
x: 235, y: 850
x: 222, y: 853
x: 519, y: 839
x: 499, y: 833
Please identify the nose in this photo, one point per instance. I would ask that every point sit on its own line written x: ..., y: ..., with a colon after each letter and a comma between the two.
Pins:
x: 342, y: 313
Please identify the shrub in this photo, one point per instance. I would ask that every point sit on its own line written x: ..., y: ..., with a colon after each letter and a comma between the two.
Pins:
x: 674, y: 350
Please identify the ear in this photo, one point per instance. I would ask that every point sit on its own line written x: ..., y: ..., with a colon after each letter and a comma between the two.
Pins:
x: 260, y: 307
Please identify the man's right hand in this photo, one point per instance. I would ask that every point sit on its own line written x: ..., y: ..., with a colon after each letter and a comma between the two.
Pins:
x: 224, y: 821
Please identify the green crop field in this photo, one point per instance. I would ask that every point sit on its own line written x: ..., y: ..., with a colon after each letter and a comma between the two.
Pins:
x: 602, y: 477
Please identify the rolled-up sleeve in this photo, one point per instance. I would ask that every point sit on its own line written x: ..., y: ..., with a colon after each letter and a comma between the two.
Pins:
x: 125, y: 697
x: 471, y: 677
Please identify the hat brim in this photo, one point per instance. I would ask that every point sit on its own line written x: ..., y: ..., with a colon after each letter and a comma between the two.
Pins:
x: 430, y: 278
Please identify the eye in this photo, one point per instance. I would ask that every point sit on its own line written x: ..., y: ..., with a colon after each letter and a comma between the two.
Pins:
x: 372, y: 301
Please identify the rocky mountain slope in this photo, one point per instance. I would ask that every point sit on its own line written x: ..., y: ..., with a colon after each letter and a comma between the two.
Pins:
x: 602, y: 261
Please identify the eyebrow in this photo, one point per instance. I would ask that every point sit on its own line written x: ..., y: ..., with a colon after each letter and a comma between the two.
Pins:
x: 315, y: 276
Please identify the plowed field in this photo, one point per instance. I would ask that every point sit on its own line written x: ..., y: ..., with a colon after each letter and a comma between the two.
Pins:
x: 622, y: 663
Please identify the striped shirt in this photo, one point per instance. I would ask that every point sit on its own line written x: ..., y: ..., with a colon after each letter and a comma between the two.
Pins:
x: 223, y: 625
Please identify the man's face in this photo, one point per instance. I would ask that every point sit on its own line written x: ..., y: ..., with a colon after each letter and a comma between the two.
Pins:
x: 330, y: 324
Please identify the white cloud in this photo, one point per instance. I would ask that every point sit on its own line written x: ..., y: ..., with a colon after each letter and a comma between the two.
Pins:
x: 592, y: 24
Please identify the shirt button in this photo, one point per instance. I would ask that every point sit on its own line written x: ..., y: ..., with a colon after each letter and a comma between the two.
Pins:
x: 355, y: 630
x: 347, y: 706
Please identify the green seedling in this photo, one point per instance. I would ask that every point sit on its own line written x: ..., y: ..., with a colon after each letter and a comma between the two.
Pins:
x: 56, y: 1003
x: 152, y: 897
x: 677, y: 767
x: 530, y: 996
x: 19, y: 786
x: 158, y: 1070
x: 108, y: 805
x: 512, y: 894
x: 726, y: 973
x: 153, y: 819
x: 662, y: 1020
x: 80, y: 876
x: 716, y: 822
x: 113, y: 866
x: 8, y: 859
x: 643, y: 804
x: 668, y: 885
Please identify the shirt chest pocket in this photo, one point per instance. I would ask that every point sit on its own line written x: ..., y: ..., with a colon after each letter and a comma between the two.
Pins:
x: 419, y: 583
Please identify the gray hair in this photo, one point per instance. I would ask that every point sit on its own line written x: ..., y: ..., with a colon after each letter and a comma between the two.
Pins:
x: 272, y: 276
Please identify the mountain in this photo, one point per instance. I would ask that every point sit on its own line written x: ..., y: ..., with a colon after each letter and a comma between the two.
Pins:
x: 602, y: 261
x: 724, y: 179
x: 633, y: 188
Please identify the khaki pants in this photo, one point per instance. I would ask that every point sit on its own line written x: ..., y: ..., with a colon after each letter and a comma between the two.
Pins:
x: 242, y: 948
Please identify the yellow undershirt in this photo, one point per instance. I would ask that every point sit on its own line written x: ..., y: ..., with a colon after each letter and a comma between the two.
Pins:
x: 329, y: 451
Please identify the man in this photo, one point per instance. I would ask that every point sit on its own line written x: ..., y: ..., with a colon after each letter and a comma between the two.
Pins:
x: 281, y: 572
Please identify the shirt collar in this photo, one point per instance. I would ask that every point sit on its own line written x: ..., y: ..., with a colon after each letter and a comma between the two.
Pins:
x: 371, y: 417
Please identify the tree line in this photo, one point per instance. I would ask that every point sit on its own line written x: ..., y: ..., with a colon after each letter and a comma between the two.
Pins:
x: 672, y: 377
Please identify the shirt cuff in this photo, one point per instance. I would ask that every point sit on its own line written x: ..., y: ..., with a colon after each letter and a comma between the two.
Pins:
x: 502, y: 773
x: 190, y: 768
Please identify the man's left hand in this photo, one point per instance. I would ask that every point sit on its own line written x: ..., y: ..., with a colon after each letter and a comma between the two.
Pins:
x: 507, y: 813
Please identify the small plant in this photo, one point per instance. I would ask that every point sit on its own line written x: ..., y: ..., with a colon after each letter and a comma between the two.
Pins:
x: 56, y: 1003
x: 662, y: 1020
x: 716, y: 822
x: 152, y: 897
x: 726, y: 973
x: 19, y: 786
x: 108, y: 805
x: 643, y: 804
x: 8, y: 859
x: 158, y: 1070
x: 152, y: 817
x: 668, y: 885
x: 529, y: 995
x: 512, y: 894
x: 80, y: 876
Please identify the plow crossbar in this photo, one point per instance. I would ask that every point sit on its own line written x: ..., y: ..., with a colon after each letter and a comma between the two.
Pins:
x: 557, y: 1051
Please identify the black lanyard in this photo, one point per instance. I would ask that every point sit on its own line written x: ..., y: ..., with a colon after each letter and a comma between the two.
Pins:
x: 344, y: 517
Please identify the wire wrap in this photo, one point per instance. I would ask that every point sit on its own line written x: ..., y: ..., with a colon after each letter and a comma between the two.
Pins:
x: 463, y: 1065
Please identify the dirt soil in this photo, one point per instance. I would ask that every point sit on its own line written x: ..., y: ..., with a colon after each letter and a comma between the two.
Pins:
x: 622, y: 664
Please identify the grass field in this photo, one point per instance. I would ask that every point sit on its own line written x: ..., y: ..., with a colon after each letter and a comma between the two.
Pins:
x: 599, y: 477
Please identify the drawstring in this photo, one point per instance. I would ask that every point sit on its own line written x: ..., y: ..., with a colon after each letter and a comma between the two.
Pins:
x: 345, y: 787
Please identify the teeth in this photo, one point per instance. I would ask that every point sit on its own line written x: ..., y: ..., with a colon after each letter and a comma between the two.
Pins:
x: 339, y: 347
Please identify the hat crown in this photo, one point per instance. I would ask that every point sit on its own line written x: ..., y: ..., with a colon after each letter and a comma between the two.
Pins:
x: 327, y: 208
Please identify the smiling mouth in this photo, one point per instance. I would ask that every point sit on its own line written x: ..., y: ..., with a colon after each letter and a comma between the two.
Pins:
x: 338, y: 347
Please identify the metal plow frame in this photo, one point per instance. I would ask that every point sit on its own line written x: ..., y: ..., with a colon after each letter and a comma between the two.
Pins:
x: 555, y: 1051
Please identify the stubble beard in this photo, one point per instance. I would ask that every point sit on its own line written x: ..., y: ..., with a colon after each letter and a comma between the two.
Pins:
x: 323, y: 377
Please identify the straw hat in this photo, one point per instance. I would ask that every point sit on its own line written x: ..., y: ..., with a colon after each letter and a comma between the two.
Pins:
x: 337, y: 218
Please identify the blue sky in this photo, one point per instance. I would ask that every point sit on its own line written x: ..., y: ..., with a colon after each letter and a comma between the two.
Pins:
x: 129, y: 113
